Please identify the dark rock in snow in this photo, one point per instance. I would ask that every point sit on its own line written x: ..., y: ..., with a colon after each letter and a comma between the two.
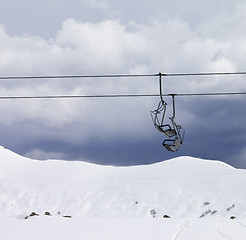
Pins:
x: 33, y: 214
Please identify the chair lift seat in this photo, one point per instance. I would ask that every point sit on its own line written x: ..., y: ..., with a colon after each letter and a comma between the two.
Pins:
x: 167, y: 130
x: 172, y: 145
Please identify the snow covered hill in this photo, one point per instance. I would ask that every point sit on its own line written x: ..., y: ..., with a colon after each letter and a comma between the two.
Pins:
x: 183, y: 187
x: 77, y: 200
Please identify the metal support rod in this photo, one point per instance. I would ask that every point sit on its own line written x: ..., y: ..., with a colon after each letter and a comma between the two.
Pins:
x: 173, y: 106
x: 160, y: 87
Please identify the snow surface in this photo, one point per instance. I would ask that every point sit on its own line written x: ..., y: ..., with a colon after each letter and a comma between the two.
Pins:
x: 88, y: 201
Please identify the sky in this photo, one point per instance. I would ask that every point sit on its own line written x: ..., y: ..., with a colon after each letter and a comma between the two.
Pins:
x: 90, y: 37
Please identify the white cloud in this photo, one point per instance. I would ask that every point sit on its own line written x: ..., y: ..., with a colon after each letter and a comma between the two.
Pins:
x: 110, y: 47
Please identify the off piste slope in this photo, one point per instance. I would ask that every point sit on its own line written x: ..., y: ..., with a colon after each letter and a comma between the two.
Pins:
x: 180, y: 187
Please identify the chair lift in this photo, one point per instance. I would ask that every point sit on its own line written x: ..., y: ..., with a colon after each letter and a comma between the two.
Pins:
x: 175, y: 134
x: 176, y: 141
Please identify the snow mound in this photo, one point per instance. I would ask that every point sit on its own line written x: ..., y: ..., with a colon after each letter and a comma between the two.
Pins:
x: 180, y: 187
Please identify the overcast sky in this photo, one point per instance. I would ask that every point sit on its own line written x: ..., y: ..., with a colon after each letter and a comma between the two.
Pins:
x: 115, y: 37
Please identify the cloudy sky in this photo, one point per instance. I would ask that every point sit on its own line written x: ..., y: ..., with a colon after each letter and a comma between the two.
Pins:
x: 90, y: 37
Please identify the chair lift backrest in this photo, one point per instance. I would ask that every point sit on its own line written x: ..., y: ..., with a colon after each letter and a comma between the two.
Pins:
x: 179, y: 130
x: 158, y: 116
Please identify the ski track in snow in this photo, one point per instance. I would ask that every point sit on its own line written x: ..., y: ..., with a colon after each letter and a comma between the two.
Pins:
x: 241, y: 224
x: 238, y: 232
x: 183, y: 226
x: 222, y: 234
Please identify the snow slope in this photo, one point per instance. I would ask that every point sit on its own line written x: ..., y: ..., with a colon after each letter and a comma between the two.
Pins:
x: 53, y: 228
x: 200, y: 196
x: 181, y: 187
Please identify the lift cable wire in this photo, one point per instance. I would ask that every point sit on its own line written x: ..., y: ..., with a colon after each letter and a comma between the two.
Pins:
x: 202, y: 74
x: 121, y: 75
x: 121, y: 95
x: 77, y: 76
